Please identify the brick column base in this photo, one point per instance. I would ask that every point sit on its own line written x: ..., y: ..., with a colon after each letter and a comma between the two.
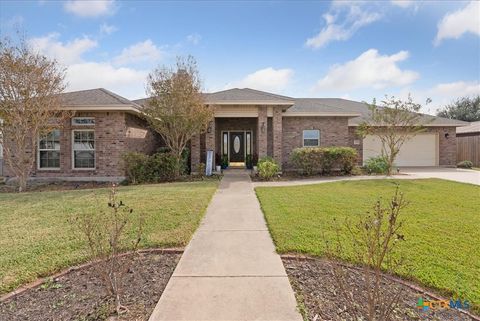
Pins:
x: 194, y: 153
x: 210, y: 140
x: 277, y: 135
x: 262, y: 131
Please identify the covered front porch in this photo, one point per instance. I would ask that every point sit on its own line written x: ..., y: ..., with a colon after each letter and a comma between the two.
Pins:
x: 238, y: 142
x: 247, y: 126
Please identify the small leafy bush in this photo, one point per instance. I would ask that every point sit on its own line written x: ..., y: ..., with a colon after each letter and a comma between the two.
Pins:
x: 324, y: 159
x: 224, y: 161
x: 377, y: 165
x: 201, y: 170
x: 136, y: 167
x: 465, y: 164
x: 267, y: 168
x: 159, y: 167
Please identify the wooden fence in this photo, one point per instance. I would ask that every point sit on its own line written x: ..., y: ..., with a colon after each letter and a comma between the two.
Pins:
x: 468, y: 148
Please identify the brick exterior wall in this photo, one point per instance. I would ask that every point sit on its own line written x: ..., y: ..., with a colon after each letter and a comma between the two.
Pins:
x: 195, y: 150
x: 115, y: 134
x: 333, y: 132
x: 352, y: 137
x: 447, y: 147
x: 140, y: 137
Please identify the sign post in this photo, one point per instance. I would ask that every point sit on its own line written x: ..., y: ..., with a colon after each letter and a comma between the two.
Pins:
x: 209, y: 165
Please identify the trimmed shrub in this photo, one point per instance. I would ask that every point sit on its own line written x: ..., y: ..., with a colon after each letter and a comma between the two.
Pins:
x: 201, y: 170
x: 267, y: 168
x: 136, y: 167
x: 311, y: 160
x: 376, y: 165
x: 307, y: 159
x: 141, y: 168
x: 465, y: 164
x: 184, y: 161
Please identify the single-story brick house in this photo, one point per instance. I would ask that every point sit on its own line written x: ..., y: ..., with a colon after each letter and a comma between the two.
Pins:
x: 247, y: 122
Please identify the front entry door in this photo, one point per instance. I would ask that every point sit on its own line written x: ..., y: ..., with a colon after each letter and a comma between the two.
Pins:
x: 237, y: 147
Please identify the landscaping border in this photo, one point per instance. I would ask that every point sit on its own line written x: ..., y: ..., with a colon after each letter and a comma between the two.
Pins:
x: 42, y: 280
x: 389, y: 277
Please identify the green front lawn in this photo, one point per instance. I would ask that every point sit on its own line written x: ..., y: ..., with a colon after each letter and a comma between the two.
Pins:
x: 36, y: 238
x: 442, y: 225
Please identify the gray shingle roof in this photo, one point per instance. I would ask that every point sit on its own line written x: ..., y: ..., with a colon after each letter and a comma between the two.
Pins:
x: 350, y: 106
x: 103, y: 97
x: 246, y: 95
x: 474, y: 127
x: 94, y: 97
x: 316, y: 105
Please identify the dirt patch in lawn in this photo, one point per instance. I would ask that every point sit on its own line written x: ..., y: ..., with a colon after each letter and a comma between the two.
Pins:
x: 318, y: 295
x: 79, y: 295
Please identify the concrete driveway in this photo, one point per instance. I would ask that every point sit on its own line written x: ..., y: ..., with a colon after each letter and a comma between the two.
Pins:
x: 452, y: 174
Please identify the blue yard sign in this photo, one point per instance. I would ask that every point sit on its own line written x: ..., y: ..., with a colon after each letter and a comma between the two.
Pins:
x: 209, y: 165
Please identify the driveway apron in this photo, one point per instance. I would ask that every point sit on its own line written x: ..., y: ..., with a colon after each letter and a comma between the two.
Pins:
x: 229, y: 270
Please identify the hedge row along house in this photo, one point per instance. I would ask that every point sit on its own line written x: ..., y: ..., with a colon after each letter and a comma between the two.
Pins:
x: 248, y: 124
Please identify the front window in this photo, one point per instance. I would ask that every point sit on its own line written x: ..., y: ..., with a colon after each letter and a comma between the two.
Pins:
x: 49, y: 150
x: 311, y: 138
x: 83, y: 149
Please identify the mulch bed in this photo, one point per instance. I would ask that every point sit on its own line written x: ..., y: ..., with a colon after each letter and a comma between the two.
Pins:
x: 54, y: 186
x: 80, y: 295
x: 71, y: 185
x: 314, y: 284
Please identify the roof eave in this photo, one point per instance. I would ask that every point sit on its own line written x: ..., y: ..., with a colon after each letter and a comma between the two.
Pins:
x: 424, y: 125
x: 319, y: 114
x: 101, y: 108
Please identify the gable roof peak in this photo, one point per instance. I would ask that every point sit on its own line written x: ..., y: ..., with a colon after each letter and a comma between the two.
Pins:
x: 246, y: 96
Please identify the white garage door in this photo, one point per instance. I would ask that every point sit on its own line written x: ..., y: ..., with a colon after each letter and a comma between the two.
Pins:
x: 421, y: 150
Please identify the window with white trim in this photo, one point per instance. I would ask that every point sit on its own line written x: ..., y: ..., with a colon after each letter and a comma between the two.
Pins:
x: 311, y: 138
x: 83, y: 149
x: 49, y: 150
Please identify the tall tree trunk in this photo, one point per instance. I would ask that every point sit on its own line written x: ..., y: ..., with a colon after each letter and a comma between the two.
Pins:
x: 391, y: 160
x: 178, y: 158
x: 22, y: 181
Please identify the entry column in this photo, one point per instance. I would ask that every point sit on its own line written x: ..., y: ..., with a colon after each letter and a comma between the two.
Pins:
x: 277, y: 134
x: 262, y: 130
x: 194, y: 153
x: 210, y: 140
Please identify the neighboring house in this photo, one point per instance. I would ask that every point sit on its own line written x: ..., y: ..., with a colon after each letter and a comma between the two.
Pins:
x: 468, y: 143
x: 247, y: 122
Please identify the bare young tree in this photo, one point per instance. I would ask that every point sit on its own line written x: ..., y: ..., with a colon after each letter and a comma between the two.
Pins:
x: 108, y: 233
x: 176, y: 108
x: 29, y: 104
x: 375, y: 237
x: 394, y: 122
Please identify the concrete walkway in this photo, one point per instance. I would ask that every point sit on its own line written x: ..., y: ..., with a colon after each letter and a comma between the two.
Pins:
x: 229, y: 270
x: 469, y: 176
x: 453, y: 174
x: 319, y: 180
